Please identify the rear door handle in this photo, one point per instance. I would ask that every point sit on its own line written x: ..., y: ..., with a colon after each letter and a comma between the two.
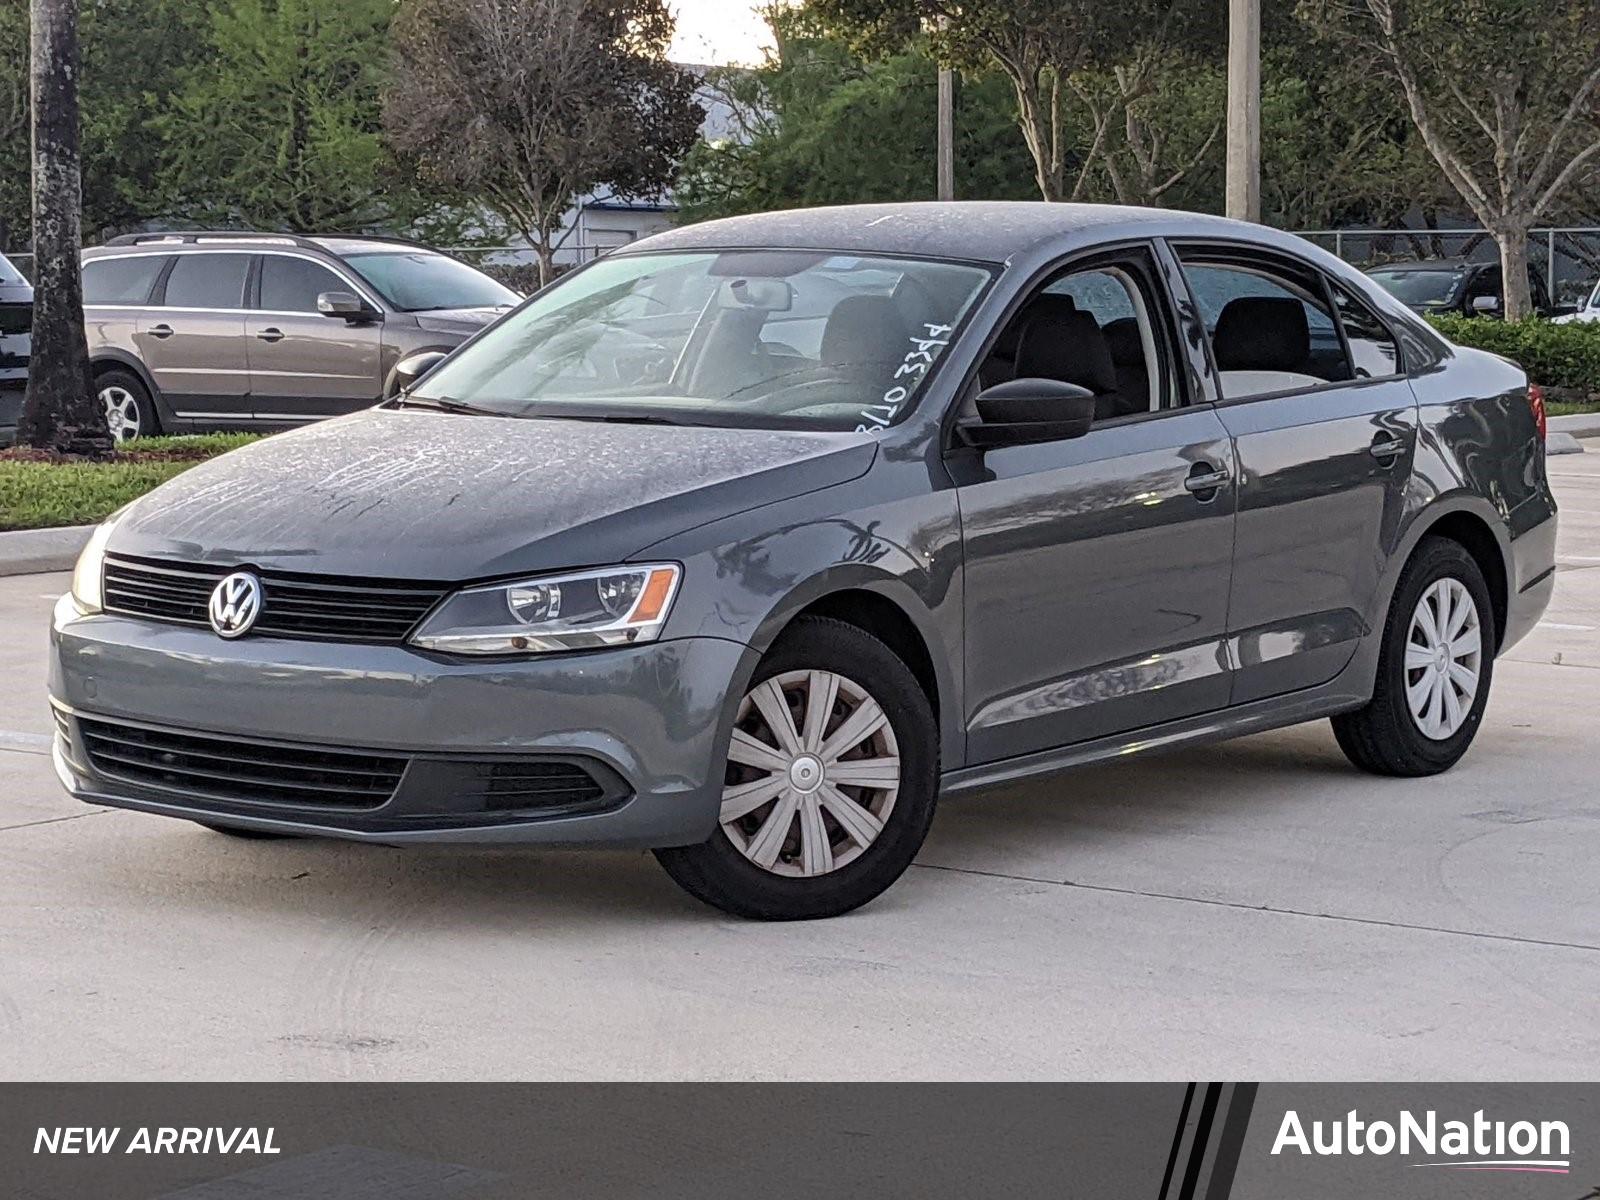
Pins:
x: 1386, y: 447
x: 270, y: 334
x: 1205, y: 478
x: 161, y: 331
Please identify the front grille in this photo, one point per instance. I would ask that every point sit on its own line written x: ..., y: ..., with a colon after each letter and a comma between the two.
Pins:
x: 292, y: 605
x: 230, y: 769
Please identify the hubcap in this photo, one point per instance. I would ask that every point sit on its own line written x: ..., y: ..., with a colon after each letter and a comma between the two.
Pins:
x: 1444, y: 654
x: 122, y: 413
x: 813, y: 771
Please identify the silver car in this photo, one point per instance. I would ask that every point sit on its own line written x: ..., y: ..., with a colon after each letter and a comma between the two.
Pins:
x: 197, y: 331
x: 749, y: 542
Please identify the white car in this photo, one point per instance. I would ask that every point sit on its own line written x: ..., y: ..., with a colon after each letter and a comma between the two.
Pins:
x: 1588, y: 312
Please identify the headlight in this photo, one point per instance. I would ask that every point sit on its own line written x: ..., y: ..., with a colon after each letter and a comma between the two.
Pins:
x: 618, y: 606
x: 86, y: 591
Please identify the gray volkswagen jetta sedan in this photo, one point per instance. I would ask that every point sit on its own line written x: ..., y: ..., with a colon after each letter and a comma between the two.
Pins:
x: 747, y: 543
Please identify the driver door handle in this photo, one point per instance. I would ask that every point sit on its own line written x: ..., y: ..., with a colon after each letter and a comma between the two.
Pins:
x: 1205, y: 478
x: 1385, y: 447
x: 270, y: 334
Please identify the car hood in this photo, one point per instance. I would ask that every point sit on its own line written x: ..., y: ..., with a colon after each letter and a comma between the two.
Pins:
x: 458, y: 320
x: 436, y: 496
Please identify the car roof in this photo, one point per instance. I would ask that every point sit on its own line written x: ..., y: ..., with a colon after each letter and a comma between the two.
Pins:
x: 979, y: 230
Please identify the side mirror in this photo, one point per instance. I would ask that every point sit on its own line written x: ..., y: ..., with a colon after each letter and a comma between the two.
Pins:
x: 1486, y: 306
x: 344, y: 304
x: 410, y: 370
x: 1021, y: 412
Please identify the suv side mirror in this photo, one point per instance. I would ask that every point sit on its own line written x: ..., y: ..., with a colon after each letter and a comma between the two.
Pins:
x: 344, y: 304
x: 1486, y: 305
x: 1021, y: 412
x: 410, y: 370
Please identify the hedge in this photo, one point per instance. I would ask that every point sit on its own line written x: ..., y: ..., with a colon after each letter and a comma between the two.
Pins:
x: 1554, y: 356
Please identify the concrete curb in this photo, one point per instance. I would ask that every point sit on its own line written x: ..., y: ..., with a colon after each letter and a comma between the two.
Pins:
x: 30, y: 551
x: 1562, y: 443
x: 1579, y: 425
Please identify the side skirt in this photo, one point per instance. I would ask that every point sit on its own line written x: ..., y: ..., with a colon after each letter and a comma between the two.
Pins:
x: 1258, y: 716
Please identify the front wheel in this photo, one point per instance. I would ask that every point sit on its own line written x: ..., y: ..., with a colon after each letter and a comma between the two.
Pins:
x: 1434, y: 668
x: 829, y: 785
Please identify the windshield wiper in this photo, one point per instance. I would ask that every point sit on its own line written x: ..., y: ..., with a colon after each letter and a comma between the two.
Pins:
x: 446, y: 404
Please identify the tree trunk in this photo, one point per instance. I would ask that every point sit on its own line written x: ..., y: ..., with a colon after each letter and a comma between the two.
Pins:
x: 547, y: 259
x: 1513, y: 245
x: 60, y: 410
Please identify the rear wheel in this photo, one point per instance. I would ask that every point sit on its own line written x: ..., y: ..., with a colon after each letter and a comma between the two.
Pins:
x: 829, y: 785
x: 1434, y: 669
x: 129, y: 411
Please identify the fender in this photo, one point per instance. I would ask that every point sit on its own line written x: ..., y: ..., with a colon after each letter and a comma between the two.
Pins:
x: 112, y: 355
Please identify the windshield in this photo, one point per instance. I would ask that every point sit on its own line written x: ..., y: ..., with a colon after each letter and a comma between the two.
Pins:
x: 1419, y: 287
x: 768, y: 338
x: 416, y: 281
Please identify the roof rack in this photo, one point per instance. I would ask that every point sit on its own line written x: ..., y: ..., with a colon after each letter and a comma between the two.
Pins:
x: 195, y: 236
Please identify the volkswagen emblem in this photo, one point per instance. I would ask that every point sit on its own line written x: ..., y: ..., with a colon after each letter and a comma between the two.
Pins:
x: 235, y: 604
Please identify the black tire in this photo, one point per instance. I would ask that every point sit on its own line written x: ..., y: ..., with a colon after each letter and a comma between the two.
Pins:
x: 249, y: 835
x: 149, y: 423
x: 717, y: 872
x: 1383, y: 737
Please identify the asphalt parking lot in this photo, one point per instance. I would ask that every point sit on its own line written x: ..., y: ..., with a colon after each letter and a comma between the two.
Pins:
x: 1253, y: 909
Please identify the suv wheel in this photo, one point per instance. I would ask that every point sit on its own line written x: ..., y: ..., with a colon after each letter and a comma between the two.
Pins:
x: 129, y: 412
x: 1433, y: 672
x: 829, y: 785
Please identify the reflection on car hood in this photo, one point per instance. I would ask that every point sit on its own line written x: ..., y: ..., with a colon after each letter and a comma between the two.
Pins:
x: 458, y: 320
x: 428, y: 495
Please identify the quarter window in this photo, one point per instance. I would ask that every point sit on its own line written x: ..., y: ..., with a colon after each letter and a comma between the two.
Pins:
x: 121, y: 280
x: 1372, y: 350
x: 207, y: 281
x: 293, y: 284
x: 1271, y: 329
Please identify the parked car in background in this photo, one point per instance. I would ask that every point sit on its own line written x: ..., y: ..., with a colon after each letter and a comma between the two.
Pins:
x: 748, y: 541
x: 1586, y: 313
x: 16, y: 322
x: 192, y: 331
x: 1449, y: 285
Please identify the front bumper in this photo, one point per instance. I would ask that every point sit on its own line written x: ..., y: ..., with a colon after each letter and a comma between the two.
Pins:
x: 649, y: 723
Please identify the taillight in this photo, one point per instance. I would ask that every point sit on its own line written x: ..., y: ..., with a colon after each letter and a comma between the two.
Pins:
x: 1536, y: 402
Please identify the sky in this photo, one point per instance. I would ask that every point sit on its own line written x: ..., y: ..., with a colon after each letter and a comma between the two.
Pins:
x: 718, y: 31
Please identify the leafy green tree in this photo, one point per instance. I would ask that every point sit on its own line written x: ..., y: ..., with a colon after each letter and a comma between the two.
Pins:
x: 1056, y: 54
x: 815, y: 125
x: 527, y: 105
x: 1504, y: 94
x: 279, y: 126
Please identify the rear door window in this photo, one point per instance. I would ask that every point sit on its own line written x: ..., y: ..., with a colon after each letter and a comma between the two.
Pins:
x: 1271, y: 327
x: 207, y: 281
x: 121, y: 280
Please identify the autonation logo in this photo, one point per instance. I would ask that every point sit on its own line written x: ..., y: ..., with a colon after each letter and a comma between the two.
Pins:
x: 1476, y: 1145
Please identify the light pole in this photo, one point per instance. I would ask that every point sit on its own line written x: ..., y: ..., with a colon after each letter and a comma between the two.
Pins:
x: 1244, y: 110
x: 947, y: 134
